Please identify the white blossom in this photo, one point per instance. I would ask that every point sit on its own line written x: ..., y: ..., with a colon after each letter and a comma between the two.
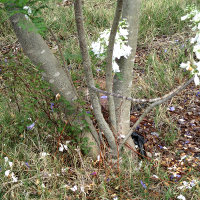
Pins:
x: 15, y: 179
x: 74, y: 188
x: 7, y: 172
x: 181, y: 197
x: 6, y: 159
x: 121, y: 49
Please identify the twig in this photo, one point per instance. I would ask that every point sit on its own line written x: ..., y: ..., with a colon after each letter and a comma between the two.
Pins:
x: 103, y: 125
x: 109, y: 78
x: 136, y: 100
x: 151, y: 106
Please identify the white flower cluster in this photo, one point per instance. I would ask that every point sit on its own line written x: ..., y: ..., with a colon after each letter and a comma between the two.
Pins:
x: 8, y: 172
x: 193, y: 66
x: 120, y: 47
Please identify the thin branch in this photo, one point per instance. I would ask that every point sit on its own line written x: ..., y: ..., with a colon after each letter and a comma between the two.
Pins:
x: 109, y: 78
x: 89, y: 77
x: 150, y: 107
x: 136, y: 100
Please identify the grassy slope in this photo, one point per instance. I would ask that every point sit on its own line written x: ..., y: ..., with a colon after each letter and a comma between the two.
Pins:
x: 24, y: 95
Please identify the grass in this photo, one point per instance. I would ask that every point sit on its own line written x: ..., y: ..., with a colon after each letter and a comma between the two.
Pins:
x: 25, y: 98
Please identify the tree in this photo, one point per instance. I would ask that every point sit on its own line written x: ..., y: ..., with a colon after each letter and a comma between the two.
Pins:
x: 119, y: 93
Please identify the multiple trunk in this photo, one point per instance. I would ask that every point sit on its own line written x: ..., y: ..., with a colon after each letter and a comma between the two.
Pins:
x: 60, y: 81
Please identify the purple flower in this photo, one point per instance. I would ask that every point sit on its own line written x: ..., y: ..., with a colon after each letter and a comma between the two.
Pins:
x: 165, y: 50
x: 88, y: 112
x: 187, y: 142
x: 52, y: 105
x: 98, y: 69
x: 198, y: 94
x: 176, y: 41
x: 108, y: 179
x: 5, y: 60
x: 30, y: 127
x: 104, y: 97
x: 26, y: 163
x: 182, y: 46
x: 161, y: 147
x: 93, y: 174
x: 143, y: 185
x: 172, y: 108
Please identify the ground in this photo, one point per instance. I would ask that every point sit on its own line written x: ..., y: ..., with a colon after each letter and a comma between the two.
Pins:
x: 32, y: 123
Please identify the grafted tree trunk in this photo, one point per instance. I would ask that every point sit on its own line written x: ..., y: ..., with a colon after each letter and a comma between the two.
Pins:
x: 123, y: 83
x: 60, y: 81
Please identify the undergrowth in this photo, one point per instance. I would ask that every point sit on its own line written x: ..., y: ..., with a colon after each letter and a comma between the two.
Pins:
x: 33, y: 123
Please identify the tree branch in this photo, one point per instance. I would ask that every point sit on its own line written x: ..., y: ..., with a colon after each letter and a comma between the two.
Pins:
x: 150, y: 107
x: 109, y: 78
x: 136, y: 100
x: 89, y: 77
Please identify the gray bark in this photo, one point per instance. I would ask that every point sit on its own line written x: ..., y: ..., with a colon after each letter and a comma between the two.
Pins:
x: 104, y: 127
x: 123, y: 83
x: 109, y: 77
x: 39, y: 53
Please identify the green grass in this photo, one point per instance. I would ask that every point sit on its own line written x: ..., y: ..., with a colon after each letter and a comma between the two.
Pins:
x: 25, y: 95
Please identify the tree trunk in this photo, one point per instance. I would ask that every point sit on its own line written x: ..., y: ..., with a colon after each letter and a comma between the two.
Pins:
x: 39, y: 53
x: 123, y: 83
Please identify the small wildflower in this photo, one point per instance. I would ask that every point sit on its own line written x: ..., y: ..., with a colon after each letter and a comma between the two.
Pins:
x: 172, y: 108
x: 165, y: 50
x: 64, y: 146
x: 143, y: 185
x: 181, y: 197
x: 15, y: 179
x: 26, y: 163
x: 30, y: 127
x: 10, y: 164
x: 98, y: 69
x: 74, y: 188
x: 104, y: 97
x: 155, y: 176
x: 161, y: 147
x: 43, y: 154
x: 6, y: 159
x: 198, y: 94
x: 52, y: 105
x: 7, y: 172
x: 93, y: 174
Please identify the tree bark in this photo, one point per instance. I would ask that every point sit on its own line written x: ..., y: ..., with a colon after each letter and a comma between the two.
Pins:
x: 104, y: 127
x: 40, y: 55
x: 123, y: 83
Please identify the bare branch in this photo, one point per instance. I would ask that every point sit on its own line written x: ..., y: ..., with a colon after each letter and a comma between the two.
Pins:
x: 137, y: 100
x: 150, y: 107
x: 109, y: 78
x: 89, y: 77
